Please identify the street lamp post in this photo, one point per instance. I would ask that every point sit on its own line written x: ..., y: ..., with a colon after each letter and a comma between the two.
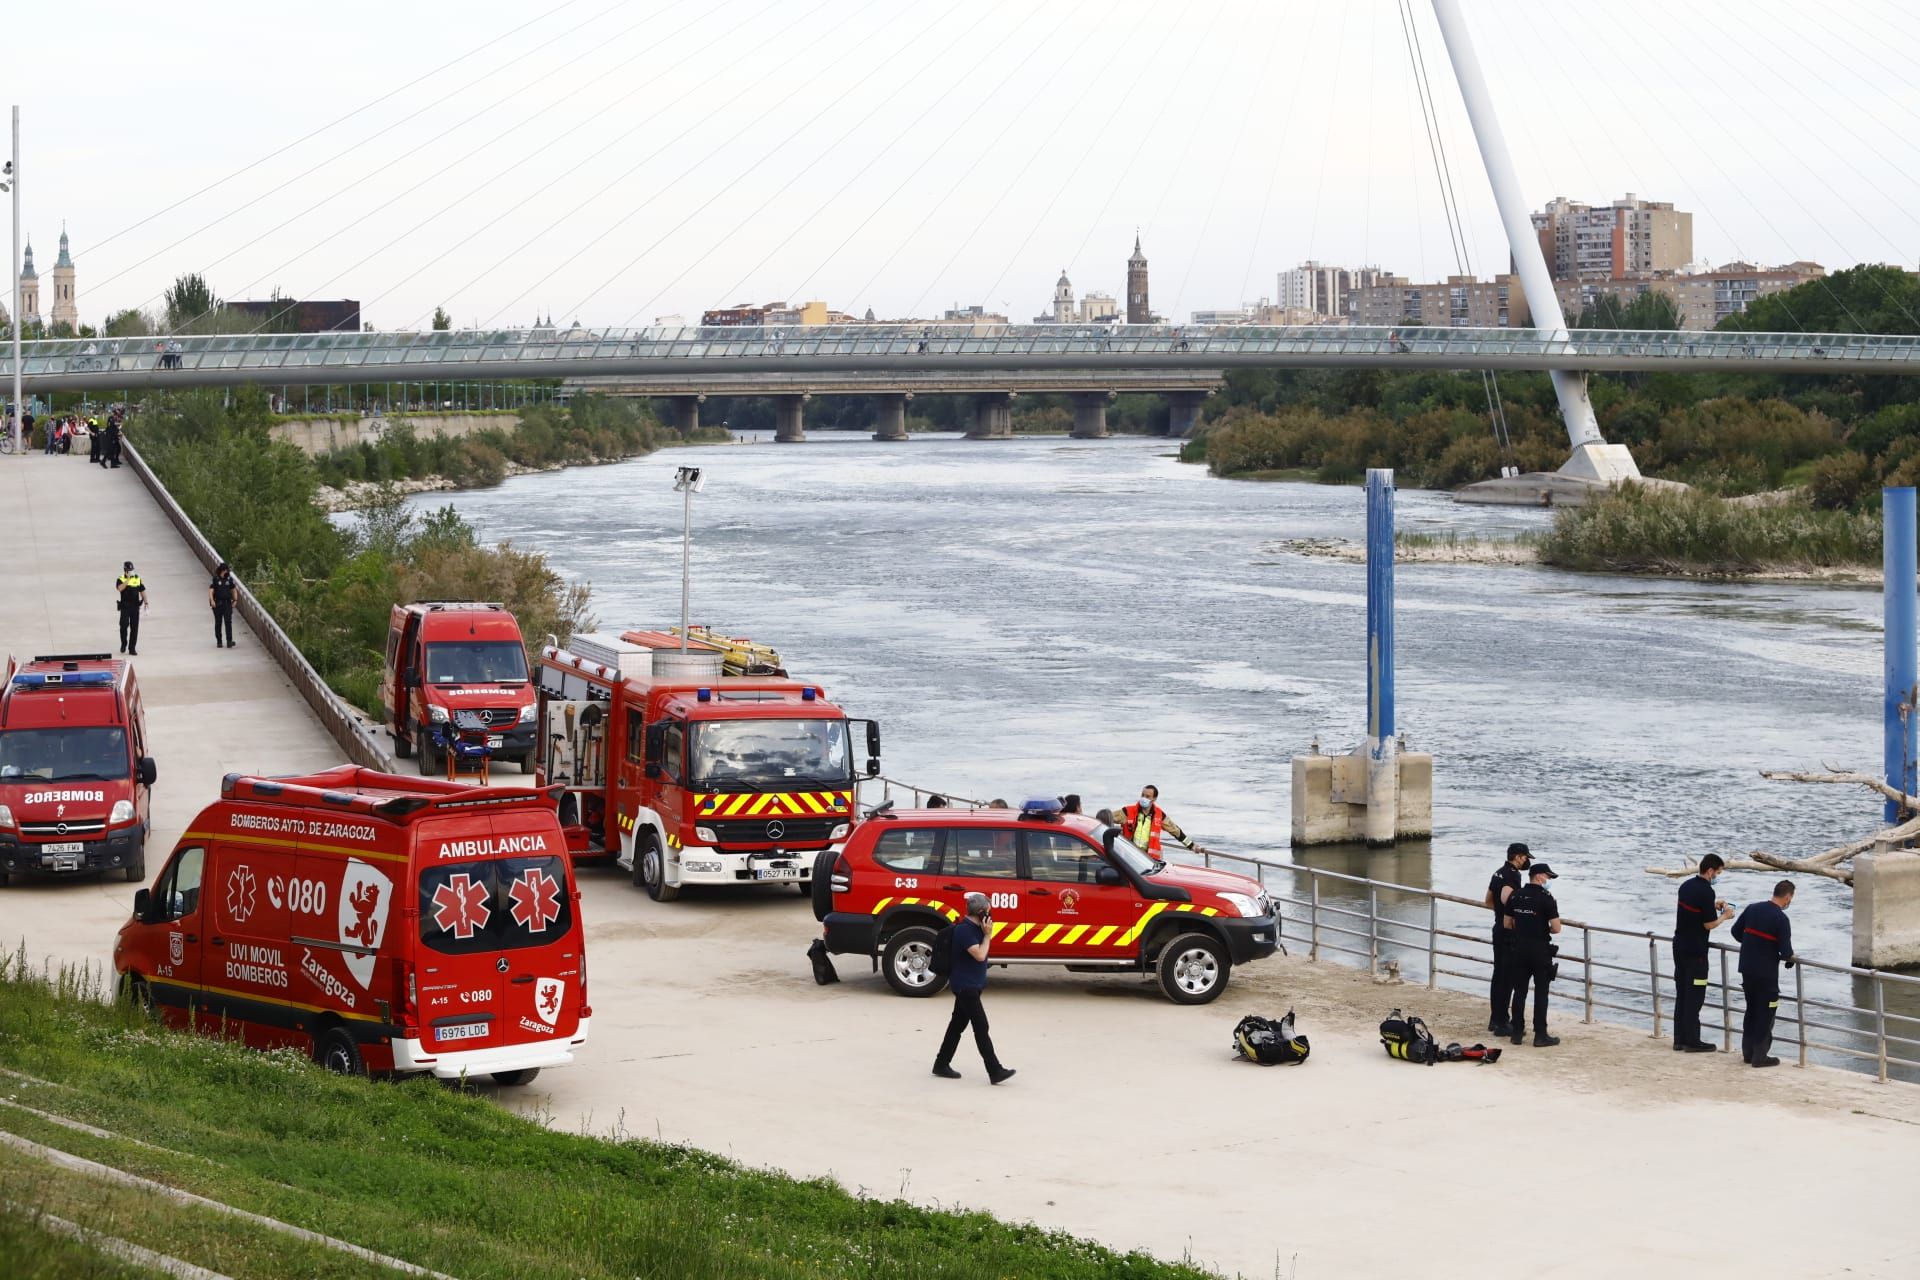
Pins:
x: 686, y: 481
x: 12, y: 183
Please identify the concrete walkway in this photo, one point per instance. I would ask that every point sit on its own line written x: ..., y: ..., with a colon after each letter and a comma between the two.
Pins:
x: 65, y: 528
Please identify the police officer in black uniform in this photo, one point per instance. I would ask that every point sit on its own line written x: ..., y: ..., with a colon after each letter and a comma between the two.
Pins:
x: 1696, y: 916
x: 130, y: 596
x: 1536, y: 918
x: 1504, y: 884
x: 220, y: 591
x: 1766, y: 943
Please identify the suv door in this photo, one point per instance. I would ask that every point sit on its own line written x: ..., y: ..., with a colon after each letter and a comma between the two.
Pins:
x: 1075, y: 916
x: 987, y: 860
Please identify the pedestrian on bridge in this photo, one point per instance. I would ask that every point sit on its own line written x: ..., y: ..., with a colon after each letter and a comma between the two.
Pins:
x: 1506, y: 881
x: 130, y: 597
x: 1143, y: 822
x: 1696, y: 916
x: 1766, y: 942
x: 1536, y: 918
x: 220, y: 592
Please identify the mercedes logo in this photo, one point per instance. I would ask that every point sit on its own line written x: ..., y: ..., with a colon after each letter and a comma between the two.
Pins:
x: 501, y: 964
x: 486, y: 717
x: 60, y: 828
x: 776, y: 830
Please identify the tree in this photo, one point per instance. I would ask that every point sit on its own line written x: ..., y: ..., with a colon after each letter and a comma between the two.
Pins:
x: 1869, y: 298
x: 189, y: 298
x: 1651, y: 310
x: 130, y: 323
x: 441, y: 320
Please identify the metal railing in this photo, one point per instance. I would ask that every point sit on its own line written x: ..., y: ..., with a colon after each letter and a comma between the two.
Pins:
x: 580, y: 352
x: 339, y: 720
x: 1617, y: 972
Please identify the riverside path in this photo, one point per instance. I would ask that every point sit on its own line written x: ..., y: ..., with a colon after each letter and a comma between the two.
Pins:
x: 66, y: 527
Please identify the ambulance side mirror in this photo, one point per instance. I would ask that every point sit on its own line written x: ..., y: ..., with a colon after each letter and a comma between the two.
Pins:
x: 142, y: 905
x: 146, y: 772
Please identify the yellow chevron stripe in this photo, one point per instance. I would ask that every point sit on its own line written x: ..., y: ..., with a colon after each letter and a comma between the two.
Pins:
x: 907, y: 901
x: 881, y: 905
x: 1019, y: 932
x: 1132, y: 935
x: 1073, y: 935
x: 1101, y: 935
x: 759, y: 802
x: 1045, y: 933
x: 998, y: 925
x: 1209, y: 911
x: 1185, y: 906
x: 812, y: 802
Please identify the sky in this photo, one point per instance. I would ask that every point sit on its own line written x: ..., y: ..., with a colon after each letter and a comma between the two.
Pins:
x: 620, y: 161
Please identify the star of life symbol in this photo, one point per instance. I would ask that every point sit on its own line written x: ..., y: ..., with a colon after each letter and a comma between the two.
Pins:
x: 240, y: 894
x: 460, y: 906
x: 536, y: 900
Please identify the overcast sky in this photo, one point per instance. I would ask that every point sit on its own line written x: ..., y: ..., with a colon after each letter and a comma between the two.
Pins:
x: 617, y: 162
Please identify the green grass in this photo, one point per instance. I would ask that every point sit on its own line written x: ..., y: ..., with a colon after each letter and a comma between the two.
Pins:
x: 1641, y: 530
x: 424, y: 1173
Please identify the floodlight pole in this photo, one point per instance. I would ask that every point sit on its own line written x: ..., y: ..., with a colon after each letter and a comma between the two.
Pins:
x: 686, y: 565
x: 13, y: 181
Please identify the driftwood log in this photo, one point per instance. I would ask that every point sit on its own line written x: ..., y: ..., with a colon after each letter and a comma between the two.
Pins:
x: 1832, y: 863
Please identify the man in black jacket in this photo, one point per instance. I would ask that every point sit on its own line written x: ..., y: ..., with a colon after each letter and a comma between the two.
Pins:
x: 1536, y: 918
x: 1505, y: 883
x: 220, y: 599
x: 1697, y: 914
x: 1766, y: 943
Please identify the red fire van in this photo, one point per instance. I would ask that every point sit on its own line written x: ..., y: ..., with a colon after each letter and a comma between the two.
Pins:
x: 379, y: 923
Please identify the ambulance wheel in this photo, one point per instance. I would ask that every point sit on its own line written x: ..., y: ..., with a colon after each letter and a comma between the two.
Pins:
x: 523, y: 1076
x: 907, y: 960
x: 650, y: 869
x: 335, y: 1050
x: 135, y: 991
x: 1193, y: 968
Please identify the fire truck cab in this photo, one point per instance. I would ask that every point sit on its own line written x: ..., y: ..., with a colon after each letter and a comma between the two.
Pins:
x: 683, y: 775
x: 446, y: 657
x: 74, y: 768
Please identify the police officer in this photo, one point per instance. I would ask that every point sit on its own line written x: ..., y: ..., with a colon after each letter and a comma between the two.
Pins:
x: 1536, y: 918
x: 1766, y: 943
x: 1697, y: 914
x: 220, y: 599
x: 130, y: 596
x: 1505, y: 882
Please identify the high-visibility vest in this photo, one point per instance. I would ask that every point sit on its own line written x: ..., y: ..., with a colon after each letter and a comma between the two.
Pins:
x: 1147, y: 824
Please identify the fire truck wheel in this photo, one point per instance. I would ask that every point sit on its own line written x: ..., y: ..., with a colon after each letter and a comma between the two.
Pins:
x: 523, y: 1076
x: 650, y: 869
x: 335, y: 1050
x: 907, y: 960
x: 1194, y: 968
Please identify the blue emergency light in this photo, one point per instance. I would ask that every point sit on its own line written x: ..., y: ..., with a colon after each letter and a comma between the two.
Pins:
x: 807, y: 694
x: 1040, y: 807
x: 60, y: 679
x: 704, y: 695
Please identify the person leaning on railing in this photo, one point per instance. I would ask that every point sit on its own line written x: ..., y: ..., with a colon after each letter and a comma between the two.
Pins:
x: 1697, y: 914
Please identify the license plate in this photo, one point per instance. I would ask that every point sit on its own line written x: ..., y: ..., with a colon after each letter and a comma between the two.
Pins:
x: 496, y: 740
x: 776, y: 873
x: 70, y: 847
x: 461, y: 1031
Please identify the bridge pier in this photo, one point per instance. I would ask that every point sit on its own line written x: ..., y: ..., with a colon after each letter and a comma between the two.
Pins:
x: 1183, y: 413
x: 992, y: 416
x: 683, y: 414
x: 892, y: 420
x: 787, y: 419
x: 1090, y: 414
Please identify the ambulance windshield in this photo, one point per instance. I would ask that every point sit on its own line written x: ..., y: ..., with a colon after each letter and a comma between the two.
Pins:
x: 745, y: 755
x: 476, y: 662
x: 56, y: 755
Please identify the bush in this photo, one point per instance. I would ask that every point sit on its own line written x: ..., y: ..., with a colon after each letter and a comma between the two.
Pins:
x: 1837, y: 483
x: 1637, y: 528
x: 590, y: 429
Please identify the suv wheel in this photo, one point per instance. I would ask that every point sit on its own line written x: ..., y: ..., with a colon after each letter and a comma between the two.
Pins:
x: 907, y: 960
x: 820, y: 888
x: 650, y: 868
x: 1194, y: 968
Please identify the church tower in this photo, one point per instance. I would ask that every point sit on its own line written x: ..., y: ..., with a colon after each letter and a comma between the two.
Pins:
x: 29, y: 288
x: 1063, y: 300
x: 64, y: 310
x: 1138, y: 312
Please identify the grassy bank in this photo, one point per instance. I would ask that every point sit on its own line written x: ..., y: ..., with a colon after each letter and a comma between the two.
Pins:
x: 423, y: 1173
x: 330, y: 588
x: 1637, y: 530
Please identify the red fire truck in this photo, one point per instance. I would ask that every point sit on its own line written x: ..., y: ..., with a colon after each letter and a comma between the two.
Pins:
x: 446, y: 657
x: 684, y: 775
x: 74, y: 768
x: 378, y: 923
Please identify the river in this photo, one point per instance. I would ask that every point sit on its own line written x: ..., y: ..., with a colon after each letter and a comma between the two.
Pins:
x: 1041, y: 616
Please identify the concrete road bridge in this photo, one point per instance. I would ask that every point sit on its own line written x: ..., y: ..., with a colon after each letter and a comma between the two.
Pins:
x: 993, y: 362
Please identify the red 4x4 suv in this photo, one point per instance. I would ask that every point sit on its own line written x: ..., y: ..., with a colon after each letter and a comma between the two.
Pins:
x: 1065, y: 890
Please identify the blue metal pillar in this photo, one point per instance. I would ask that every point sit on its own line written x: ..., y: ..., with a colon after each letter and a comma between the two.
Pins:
x: 1900, y: 717
x: 1383, y: 769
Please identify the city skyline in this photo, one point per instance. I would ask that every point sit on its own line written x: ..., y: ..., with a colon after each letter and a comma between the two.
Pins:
x: 848, y: 174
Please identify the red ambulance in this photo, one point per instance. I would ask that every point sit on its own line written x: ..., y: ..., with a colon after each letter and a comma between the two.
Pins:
x: 379, y: 923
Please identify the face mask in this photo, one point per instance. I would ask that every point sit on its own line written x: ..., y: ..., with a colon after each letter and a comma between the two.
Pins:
x: 1146, y: 802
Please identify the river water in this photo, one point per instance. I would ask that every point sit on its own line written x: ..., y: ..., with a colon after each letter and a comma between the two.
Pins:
x: 1042, y: 616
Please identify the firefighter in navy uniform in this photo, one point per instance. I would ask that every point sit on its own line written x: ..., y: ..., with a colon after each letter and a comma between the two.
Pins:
x: 1697, y: 914
x: 1766, y: 943
x: 1536, y: 918
x: 1504, y: 884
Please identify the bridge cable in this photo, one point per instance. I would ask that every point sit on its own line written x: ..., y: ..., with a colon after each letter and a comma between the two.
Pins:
x: 366, y: 106
x: 1449, y: 205
x: 1307, y: 48
x: 356, y: 146
x: 368, y: 213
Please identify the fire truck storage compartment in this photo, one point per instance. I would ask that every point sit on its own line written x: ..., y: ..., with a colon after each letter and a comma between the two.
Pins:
x: 671, y: 664
x: 610, y: 650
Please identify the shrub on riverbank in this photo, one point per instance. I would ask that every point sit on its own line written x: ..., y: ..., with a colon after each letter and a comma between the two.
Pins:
x: 330, y: 589
x: 1636, y: 529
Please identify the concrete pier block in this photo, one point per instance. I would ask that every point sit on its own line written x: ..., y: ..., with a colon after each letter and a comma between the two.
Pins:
x: 787, y: 416
x: 684, y: 414
x: 1886, y: 908
x: 892, y: 421
x: 1183, y: 413
x: 1330, y: 794
x: 992, y: 416
x: 1090, y: 414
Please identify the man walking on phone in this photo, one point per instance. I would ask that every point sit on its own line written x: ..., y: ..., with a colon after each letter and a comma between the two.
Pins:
x: 972, y: 939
